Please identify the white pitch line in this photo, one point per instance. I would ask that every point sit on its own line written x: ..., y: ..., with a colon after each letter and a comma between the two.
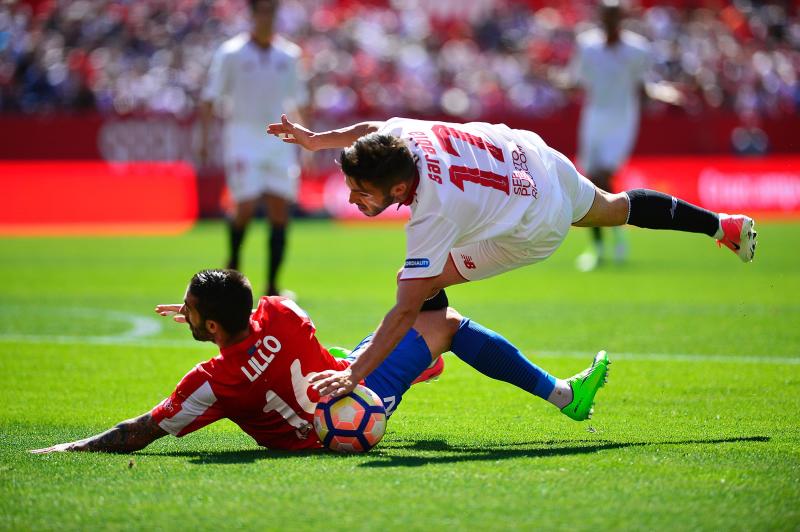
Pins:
x: 94, y: 340
x: 667, y: 357
x: 139, y: 339
x: 140, y: 327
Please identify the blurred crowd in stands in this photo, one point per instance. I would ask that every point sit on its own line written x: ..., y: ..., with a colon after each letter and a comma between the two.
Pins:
x: 387, y: 58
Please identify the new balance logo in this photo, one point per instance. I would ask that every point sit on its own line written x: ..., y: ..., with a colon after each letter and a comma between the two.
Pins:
x: 468, y: 262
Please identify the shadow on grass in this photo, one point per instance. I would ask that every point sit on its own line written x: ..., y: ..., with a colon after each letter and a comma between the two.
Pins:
x: 446, y: 453
x: 423, y: 452
x: 235, y: 457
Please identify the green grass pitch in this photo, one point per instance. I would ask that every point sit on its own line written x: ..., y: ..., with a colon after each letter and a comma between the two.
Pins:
x: 697, y: 429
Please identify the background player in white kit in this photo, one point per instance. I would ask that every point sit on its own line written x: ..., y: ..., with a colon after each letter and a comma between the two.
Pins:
x: 484, y: 199
x: 611, y: 65
x: 256, y: 75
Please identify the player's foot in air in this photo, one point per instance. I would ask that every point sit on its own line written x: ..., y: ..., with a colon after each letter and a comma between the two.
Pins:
x: 432, y: 372
x: 739, y: 235
x: 585, y: 386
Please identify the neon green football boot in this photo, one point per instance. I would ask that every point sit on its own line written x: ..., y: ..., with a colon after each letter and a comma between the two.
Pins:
x: 339, y: 352
x: 584, y: 387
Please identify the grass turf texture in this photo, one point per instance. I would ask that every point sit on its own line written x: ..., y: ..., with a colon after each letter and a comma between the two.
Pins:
x: 696, y: 430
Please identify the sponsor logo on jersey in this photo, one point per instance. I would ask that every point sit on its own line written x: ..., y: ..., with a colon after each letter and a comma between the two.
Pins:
x: 167, y: 405
x: 468, y: 262
x: 524, y: 185
x: 417, y: 263
x: 304, y: 430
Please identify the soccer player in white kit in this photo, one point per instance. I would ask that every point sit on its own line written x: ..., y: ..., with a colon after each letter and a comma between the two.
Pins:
x: 484, y: 199
x: 611, y: 65
x: 257, y: 75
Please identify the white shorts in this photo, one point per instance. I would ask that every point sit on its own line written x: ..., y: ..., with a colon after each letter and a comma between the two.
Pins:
x: 248, y: 178
x: 605, y: 145
x: 532, y: 241
x: 257, y: 164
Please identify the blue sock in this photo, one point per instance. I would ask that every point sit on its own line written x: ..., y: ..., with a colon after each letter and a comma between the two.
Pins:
x: 495, y: 357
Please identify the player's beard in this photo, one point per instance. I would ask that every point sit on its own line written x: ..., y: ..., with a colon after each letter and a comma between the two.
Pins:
x: 375, y: 210
x: 201, y: 335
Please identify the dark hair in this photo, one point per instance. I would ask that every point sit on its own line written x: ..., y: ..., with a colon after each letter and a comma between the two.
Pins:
x: 379, y: 159
x: 224, y: 296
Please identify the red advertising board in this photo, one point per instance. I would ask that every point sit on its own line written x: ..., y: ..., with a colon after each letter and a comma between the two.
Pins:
x: 58, y: 197
x: 762, y: 187
x: 96, y: 197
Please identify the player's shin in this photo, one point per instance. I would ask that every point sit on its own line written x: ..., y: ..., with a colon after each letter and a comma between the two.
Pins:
x: 655, y: 210
x: 235, y: 239
x: 277, y: 247
x: 495, y: 357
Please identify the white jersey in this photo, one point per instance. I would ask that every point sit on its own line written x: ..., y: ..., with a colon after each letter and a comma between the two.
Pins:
x: 477, y: 182
x: 612, y: 77
x: 258, y: 84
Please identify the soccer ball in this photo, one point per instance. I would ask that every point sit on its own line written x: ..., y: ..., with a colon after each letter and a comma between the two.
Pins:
x: 352, y: 423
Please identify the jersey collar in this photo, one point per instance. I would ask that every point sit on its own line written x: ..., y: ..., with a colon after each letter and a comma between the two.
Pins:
x: 259, y: 47
x: 239, y: 347
x: 413, y: 192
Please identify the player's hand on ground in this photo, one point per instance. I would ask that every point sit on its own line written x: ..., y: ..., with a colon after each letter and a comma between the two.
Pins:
x: 60, y: 448
x: 333, y: 383
x: 292, y: 133
x: 174, y: 310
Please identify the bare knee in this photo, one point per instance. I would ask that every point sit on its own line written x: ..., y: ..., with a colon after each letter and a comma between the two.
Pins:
x: 277, y: 210
x: 438, y: 327
x: 243, y: 212
x: 607, y: 210
x: 452, y: 322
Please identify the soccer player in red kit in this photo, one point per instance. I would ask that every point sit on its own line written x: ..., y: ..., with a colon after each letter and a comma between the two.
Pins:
x: 261, y: 378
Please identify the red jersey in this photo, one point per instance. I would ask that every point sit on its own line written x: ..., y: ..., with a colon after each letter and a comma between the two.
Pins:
x: 261, y: 383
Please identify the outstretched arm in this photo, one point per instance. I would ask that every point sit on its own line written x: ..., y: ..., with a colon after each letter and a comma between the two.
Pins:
x: 293, y: 133
x: 125, y: 437
x: 411, y: 294
x: 175, y: 310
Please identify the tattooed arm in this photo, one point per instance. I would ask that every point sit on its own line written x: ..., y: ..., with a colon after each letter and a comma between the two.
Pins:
x: 125, y: 437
